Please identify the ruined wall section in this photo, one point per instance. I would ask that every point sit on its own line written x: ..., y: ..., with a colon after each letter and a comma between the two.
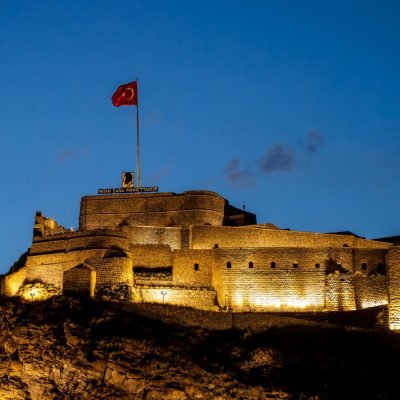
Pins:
x: 370, y: 278
x: 160, y: 209
x: 340, y: 292
x: 393, y: 264
x: 206, y: 237
x: 44, y: 226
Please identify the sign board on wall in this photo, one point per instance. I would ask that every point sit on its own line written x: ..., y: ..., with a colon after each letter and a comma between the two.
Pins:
x: 144, y: 189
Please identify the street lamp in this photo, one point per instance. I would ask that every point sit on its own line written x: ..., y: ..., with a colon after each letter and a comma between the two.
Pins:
x: 163, y: 294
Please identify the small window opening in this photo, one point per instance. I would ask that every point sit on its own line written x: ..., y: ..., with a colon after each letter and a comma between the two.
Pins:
x: 317, y: 265
x: 364, y: 266
x: 295, y: 265
x: 251, y: 265
x: 216, y: 246
x: 273, y: 265
x: 228, y: 264
x: 196, y: 267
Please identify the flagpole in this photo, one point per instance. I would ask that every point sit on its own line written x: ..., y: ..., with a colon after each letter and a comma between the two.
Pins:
x: 137, y: 136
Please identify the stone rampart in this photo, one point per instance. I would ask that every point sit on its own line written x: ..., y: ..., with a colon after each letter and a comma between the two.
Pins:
x: 79, y: 241
x: 113, y: 270
x: 200, y: 298
x: 207, y: 237
x: 340, y: 292
x: 12, y: 282
x: 160, y: 209
x: 370, y: 291
x: 151, y: 255
x: 192, y: 268
x: 274, y: 279
x: 393, y: 262
x: 153, y: 235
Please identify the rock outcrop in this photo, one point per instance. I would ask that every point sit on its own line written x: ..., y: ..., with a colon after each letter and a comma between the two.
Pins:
x: 70, y: 348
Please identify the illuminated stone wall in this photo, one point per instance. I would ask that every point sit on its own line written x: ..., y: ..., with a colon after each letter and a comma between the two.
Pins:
x: 203, y: 299
x: 113, y: 270
x: 279, y: 279
x: 13, y: 281
x: 151, y: 255
x: 79, y: 241
x: 393, y: 261
x: 370, y: 280
x: 161, y: 209
x: 370, y: 291
x: 206, y: 237
x: 193, y: 268
x: 151, y: 235
x: 340, y: 292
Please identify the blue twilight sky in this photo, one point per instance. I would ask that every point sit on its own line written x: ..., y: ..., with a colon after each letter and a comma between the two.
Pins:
x: 290, y: 106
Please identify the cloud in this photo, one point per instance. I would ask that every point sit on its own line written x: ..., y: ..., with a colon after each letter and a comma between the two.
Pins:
x: 313, y: 142
x: 68, y: 154
x: 278, y: 158
x: 236, y: 175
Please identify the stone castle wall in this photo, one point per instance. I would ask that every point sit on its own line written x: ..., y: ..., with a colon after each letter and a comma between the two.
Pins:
x: 270, y: 279
x: 152, y: 235
x: 163, y: 209
x: 101, y: 239
x: 151, y: 256
x: 200, y: 298
x: 393, y: 261
x: 193, y: 268
x: 206, y: 237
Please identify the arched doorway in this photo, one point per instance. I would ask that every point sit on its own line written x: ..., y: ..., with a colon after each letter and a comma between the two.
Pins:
x: 79, y: 280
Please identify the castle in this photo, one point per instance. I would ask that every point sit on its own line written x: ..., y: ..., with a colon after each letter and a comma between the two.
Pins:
x: 196, y: 250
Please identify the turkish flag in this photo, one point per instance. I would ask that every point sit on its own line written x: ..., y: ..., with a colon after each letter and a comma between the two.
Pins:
x: 126, y: 95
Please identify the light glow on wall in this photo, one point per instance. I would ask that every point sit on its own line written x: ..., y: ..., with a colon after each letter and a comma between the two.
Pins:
x: 37, y: 291
x: 271, y: 302
x: 32, y: 294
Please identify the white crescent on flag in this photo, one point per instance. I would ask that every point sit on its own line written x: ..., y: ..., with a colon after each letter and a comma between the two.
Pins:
x: 132, y: 94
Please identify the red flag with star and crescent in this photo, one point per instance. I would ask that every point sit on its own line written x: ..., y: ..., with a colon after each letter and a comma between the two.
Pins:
x: 126, y: 95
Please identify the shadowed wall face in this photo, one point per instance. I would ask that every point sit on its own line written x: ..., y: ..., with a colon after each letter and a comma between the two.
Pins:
x: 78, y: 280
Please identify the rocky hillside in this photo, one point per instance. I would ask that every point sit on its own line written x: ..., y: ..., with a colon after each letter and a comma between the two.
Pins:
x: 69, y: 348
